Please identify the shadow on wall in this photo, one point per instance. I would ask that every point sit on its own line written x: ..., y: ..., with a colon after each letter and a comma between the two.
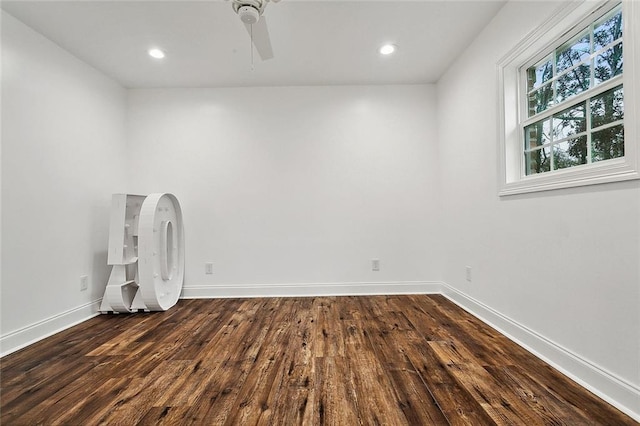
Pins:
x: 98, y: 241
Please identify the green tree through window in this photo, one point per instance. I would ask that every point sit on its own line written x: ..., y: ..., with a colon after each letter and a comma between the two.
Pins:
x: 575, y: 103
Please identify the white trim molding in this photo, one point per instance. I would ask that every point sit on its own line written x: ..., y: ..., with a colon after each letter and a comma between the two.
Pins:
x: 618, y: 392
x: 311, y: 289
x: 25, y: 336
x: 511, y: 179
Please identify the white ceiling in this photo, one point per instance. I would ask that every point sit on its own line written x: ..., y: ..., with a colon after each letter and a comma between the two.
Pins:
x: 314, y: 42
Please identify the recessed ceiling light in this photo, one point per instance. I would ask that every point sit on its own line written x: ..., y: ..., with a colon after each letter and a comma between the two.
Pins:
x: 387, y: 49
x: 156, y: 53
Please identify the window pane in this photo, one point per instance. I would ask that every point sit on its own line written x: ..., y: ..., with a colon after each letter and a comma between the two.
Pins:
x: 607, y: 31
x: 538, y: 161
x: 540, y: 100
x: 607, y: 143
x: 607, y: 107
x: 569, y: 122
x: 573, y: 53
x: 537, y: 134
x: 608, y: 64
x: 538, y: 75
x: 572, y: 83
x: 570, y: 153
x: 562, y: 132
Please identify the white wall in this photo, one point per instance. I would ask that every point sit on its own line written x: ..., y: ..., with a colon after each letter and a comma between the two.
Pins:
x: 564, y: 264
x: 63, y: 151
x: 295, y: 185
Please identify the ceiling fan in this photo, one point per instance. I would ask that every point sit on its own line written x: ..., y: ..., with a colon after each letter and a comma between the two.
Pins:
x: 251, y: 14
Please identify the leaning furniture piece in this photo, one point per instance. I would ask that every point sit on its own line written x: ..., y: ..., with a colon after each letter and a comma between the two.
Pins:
x: 146, y: 249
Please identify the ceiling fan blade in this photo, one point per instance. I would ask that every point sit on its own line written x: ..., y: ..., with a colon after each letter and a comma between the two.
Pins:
x: 261, y: 39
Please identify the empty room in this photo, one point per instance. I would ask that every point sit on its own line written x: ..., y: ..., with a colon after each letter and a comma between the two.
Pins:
x: 307, y: 212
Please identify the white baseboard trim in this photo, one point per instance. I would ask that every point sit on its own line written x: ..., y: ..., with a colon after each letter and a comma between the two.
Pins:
x: 25, y: 336
x: 616, y: 391
x: 311, y: 289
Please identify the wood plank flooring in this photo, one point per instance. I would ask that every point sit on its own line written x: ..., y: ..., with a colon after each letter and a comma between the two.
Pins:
x: 383, y: 360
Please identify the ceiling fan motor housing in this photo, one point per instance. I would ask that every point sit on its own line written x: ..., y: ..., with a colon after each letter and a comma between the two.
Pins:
x: 248, y: 14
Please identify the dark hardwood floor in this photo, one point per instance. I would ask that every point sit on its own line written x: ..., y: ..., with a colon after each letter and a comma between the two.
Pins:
x: 388, y: 360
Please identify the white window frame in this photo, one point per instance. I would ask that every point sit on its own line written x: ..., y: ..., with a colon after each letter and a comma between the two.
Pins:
x: 545, y: 38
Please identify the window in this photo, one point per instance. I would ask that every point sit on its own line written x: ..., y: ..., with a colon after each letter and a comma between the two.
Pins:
x: 585, y: 130
x: 565, y: 93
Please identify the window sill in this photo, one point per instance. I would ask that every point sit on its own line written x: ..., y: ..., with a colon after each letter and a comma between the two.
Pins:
x: 612, y: 171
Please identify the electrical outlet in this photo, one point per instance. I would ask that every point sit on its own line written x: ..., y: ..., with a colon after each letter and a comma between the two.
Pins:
x: 208, y: 268
x: 84, y: 282
x: 468, y: 272
x: 375, y: 264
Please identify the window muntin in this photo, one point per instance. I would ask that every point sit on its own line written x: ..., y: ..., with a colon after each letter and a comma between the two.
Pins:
x: 576, y: 78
